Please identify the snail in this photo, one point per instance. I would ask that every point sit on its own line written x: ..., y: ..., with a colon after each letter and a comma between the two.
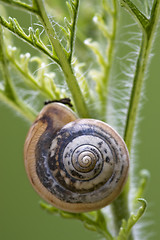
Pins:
x: 77, y: 165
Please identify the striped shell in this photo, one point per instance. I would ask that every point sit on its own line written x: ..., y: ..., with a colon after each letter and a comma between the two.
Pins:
x: 77, y: 165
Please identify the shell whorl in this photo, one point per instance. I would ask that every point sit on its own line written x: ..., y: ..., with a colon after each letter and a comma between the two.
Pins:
x: 80, y: 166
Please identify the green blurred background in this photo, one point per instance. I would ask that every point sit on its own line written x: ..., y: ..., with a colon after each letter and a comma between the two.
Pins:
x: 20, y: 214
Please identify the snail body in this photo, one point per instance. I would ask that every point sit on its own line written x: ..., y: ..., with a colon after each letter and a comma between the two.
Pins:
x: 77, y: 165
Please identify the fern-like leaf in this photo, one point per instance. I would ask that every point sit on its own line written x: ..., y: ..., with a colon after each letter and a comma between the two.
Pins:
x: 33, y: 38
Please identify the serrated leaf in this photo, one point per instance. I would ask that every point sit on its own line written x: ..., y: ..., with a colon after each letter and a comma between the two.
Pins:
x: 127, y: 225
x: 32, y: 38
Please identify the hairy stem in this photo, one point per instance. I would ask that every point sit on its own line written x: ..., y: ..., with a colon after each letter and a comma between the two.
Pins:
x: 111, y: 47
x: 121, y: 205
x: 147, y: 41
x: 64, y: 63
x: 105, y: 62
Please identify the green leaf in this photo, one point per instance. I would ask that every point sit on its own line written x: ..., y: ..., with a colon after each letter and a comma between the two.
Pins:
x: 129, y: 5
x: 127, y: 225
x: 33, y: 38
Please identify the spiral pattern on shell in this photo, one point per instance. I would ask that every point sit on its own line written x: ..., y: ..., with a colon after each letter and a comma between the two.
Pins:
x: 75, y: 164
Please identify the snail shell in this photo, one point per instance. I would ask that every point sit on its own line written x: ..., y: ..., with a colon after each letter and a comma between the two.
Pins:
x: 77, y: 165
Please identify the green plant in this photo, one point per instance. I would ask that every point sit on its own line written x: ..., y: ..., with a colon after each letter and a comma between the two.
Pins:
x: 90, y: 86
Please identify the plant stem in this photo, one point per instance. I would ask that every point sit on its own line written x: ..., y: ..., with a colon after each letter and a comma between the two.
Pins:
x: 107, y: 67
x: 135, y: 12
x: 120, y: 206
x: 147, y: 41
x: 73, y: 34
x: 64, y: 63
x: 135, y: 94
